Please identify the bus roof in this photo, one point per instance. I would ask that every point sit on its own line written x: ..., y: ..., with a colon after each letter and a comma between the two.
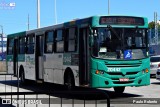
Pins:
x: 94, y: 20
x: 16, y: 34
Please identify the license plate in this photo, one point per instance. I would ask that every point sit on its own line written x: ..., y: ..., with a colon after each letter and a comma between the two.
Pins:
x: 123, y: 79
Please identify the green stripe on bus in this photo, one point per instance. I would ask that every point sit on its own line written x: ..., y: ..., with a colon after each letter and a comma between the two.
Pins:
x: 21, y: 58
x: 16, y: 34
x: 9, y: 57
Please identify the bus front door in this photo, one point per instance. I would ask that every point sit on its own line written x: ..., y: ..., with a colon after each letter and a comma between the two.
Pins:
x: 83, y: 57
x: 15, y: 57
x: 39, y: 57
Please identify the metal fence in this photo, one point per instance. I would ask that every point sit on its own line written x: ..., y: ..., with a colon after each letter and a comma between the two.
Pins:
x: 13, y: 95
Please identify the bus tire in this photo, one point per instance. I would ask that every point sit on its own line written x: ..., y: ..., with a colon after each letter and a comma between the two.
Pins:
x: 119, y: 89
x: 69, y: 81
x: 22, y: 77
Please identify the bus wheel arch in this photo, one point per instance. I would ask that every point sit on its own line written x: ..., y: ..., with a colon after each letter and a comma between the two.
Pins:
x: 69, y: 80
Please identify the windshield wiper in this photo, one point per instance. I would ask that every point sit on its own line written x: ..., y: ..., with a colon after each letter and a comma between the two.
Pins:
x: 113, y: 30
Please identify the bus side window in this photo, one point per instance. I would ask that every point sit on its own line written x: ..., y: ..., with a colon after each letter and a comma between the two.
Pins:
x: 30, y: 44
x: 49, y: 42
x: 72, y: 39
x: 59, y: 42
x: 10, y: 46
x: 22, y: 45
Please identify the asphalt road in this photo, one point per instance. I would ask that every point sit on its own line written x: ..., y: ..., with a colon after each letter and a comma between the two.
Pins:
x: 146, y: 96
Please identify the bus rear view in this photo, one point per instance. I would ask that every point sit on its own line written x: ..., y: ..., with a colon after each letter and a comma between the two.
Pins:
x: 119, y: 49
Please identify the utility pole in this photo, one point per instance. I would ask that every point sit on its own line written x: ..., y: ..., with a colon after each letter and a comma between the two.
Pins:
x: 150, y: 37
x: 55, y: 11
x: 2, y: 37
x: 28, y: 22
x: 156, y: 28
x: 108, y: 7
x: 38, y: 13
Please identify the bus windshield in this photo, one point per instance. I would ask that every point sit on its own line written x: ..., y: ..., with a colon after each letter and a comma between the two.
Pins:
x: 120, y: 43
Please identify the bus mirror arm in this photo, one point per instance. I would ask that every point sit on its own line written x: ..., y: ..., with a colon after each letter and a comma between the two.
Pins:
x: 91, y: 40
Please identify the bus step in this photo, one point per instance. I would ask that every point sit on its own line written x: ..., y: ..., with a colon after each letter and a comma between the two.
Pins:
x: 86, y: 85
x: 39, y: 81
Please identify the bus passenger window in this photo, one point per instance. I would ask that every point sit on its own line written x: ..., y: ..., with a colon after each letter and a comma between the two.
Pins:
x: 72, y: 40
x: 30, y: 44
x: 59, y: 41
x: 49, y: 38
x: 22, y: 45
x: 10, y: 46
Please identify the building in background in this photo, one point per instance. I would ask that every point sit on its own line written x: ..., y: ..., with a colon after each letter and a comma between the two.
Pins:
x: 3, y: 49
x: 154, y: 49
x: 152, y: 36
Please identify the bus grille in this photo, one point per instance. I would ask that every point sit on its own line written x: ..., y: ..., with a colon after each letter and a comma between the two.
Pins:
x: 123, y: 64
x: 120, y: 73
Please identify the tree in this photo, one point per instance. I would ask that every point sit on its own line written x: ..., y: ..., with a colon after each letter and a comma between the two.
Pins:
x: 151, y: 25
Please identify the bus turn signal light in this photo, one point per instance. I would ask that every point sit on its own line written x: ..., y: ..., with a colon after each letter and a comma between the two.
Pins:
x: 146, y: 70
x: 97, y: 72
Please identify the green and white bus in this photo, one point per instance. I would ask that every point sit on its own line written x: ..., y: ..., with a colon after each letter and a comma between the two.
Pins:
x: 98, y: 52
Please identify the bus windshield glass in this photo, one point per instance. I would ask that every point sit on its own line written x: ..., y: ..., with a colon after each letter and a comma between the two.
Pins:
x: 120, y: 43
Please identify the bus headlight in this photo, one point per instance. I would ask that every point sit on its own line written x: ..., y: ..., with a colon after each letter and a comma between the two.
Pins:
x: 99, y: 72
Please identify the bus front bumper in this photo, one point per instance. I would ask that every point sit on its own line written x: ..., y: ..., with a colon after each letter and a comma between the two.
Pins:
x: 98, y: 81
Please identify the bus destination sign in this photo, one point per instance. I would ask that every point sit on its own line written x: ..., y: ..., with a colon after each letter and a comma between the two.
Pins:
x: 121, y: 20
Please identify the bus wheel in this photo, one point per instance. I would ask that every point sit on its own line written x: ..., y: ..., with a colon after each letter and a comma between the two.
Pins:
x: 22, y: 78
x: 119, y: 89
x: 69, y: 82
